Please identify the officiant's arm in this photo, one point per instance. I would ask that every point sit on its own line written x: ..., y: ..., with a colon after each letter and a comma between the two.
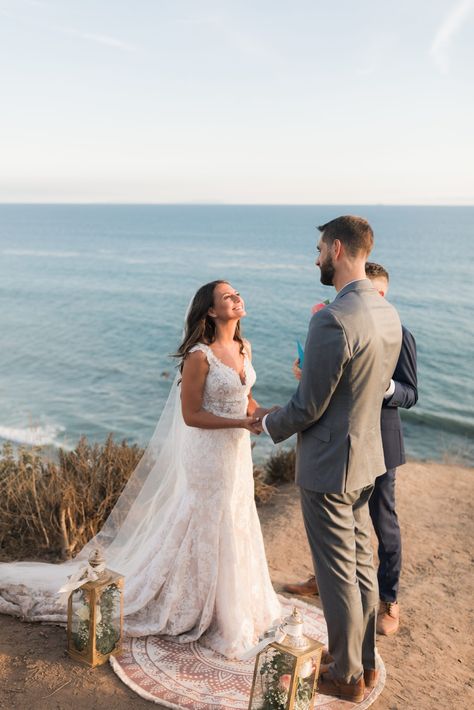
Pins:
x: 326, y: 355
x: 195, y: 371
x: 405, y: 383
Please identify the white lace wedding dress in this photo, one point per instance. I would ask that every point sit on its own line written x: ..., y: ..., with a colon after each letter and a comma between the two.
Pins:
x: 202, y: 573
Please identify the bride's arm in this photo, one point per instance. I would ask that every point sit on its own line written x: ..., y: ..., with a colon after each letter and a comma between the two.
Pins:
x: 195, y: 369
x: 253, y: 404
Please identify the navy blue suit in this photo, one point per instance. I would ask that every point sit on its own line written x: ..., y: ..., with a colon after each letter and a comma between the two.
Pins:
x: 382, y: 502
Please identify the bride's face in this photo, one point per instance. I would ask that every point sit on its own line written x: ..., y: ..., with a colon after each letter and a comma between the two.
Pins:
x: 228, y: 304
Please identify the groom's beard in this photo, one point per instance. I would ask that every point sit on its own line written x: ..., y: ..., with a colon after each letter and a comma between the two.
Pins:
x: 327, y: 272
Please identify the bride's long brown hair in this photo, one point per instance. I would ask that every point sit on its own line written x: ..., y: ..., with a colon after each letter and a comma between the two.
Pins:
x: 200, y: 326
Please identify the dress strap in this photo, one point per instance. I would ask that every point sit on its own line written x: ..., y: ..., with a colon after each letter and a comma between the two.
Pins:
x: 204, y: 349
x: 207, y: 350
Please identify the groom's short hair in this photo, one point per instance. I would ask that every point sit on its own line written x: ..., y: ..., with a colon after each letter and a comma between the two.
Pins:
x: 354, y: 232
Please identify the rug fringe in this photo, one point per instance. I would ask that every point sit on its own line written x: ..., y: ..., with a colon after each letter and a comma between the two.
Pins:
x: 116, y: 667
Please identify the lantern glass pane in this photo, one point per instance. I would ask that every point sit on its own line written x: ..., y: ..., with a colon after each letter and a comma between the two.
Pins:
x: 107, y: 619
x: 305, y: 683
x: 80, y: 619
x: 272, y: 680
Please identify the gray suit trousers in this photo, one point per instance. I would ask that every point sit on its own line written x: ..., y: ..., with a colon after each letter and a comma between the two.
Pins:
x: 338, y: 529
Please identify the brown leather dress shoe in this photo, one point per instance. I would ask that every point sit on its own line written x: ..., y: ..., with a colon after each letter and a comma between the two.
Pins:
x: 326, y: 660
x: 304, y: 589
x: 347, y: 691
x: 388, y: 618
x: 371, y: 675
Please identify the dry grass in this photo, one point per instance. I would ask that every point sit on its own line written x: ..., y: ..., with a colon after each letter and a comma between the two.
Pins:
x: 49, y: 509
x: 262, y: 490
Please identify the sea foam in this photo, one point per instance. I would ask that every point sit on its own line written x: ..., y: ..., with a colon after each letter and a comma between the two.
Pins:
x: 33, y: 435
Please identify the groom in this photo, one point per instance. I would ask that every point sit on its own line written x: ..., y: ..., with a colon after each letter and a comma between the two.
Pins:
x: 350, y: 355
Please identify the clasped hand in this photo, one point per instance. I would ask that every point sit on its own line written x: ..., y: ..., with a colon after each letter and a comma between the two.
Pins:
x: 254, y: 422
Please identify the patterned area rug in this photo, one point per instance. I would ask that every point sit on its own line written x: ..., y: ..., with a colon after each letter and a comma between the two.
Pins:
x: 192, y: 677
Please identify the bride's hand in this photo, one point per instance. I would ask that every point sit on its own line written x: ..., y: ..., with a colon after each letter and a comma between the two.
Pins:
x: 252, y: 424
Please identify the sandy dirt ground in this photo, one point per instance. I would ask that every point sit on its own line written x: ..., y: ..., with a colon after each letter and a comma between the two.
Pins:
x: 429, y: 663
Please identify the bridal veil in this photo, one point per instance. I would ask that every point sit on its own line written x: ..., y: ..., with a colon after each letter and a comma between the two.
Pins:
x: 30, y: 589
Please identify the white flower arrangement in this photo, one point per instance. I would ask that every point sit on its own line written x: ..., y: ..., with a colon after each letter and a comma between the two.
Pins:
x: 83, y: 613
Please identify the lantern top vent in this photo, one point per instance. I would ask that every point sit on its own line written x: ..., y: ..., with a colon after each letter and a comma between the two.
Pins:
x: 97, y: 559
x: 294, y: 629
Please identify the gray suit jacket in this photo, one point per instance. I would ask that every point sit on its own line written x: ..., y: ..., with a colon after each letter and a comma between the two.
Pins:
x: 351, y: 351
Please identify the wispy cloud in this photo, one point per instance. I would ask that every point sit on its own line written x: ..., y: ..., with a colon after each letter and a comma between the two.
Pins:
x: 103, y: 39
x: 108, y: 40
x: 443, y: 38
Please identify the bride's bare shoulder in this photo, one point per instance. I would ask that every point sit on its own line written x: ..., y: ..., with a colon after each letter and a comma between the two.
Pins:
x: 195, y: 368
x: 197, y: 356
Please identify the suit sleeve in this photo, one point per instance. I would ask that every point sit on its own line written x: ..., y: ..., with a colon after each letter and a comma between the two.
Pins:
x: 405, y: 375
x: 326, y: 355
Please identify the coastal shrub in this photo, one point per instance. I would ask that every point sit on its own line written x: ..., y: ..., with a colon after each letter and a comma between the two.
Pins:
x: 26, y: 482
x: 50, y: 509
x: 262, y: 491
x: 280, y: 467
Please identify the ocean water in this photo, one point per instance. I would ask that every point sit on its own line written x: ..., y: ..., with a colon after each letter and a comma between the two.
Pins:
x: 93, y: 299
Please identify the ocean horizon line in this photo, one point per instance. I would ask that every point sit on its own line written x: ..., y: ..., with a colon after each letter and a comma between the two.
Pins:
x: 101, y: 203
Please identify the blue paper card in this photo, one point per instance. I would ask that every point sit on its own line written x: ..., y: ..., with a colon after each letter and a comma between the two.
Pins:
x: 300, y: 353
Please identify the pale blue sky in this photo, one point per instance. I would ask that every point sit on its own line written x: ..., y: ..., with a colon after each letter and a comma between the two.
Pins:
x: 266, y: 101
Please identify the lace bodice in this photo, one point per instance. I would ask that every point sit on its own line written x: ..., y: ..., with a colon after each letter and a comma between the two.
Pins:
x: 224, y: 393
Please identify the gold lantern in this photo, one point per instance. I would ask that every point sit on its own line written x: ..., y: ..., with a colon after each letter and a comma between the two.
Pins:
x: 95, y: 614
x: 286, y: 671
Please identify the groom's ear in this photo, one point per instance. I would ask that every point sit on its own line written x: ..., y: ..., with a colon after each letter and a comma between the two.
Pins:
x: 337, y: 248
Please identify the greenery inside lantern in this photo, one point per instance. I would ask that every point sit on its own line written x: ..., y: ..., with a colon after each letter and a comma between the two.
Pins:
x: 285, y: 674
x: 95, y: 615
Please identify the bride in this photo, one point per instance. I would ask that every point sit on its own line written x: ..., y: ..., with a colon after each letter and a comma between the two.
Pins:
x: 185, y: 531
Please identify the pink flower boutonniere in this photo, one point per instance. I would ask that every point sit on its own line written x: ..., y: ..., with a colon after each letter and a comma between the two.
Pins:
x: 319, y: 306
